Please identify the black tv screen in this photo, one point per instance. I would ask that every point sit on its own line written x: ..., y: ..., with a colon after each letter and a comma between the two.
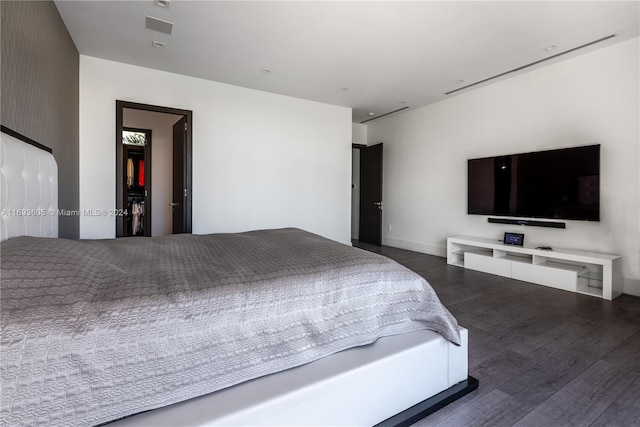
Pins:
x: 557, y: 184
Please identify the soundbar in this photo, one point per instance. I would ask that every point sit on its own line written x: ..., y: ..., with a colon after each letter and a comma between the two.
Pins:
x: 549, y: 224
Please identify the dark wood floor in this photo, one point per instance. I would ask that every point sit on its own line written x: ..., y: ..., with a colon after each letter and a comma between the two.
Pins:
x: 544, y: 357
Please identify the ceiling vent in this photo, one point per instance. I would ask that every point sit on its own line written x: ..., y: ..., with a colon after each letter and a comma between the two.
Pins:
x: 385, y: 114
x: 530, y: 64
x: 159, y: 25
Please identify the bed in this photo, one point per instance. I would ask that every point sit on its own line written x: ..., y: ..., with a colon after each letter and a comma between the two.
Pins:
x: 269, y: 327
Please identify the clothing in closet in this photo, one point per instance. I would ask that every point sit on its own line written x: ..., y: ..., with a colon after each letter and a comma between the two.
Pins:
x: 129, y: 172
x: 137, y: 212
x: 141, y: 173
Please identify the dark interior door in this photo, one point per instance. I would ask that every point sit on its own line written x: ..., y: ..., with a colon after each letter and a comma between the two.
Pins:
x: 371, y: 195
x: 179, y: 206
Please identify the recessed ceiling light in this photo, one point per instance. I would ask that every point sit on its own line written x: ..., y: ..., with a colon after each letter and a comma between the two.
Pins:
x: 371, y: 114
x: 459, y: 82
x: 163, y: 3
x: 550, y: 48
x: 159, y: 45
x: 265, y: 70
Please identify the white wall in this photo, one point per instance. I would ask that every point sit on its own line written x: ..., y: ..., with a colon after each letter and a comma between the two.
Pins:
x: 260, y: 160
x: 359, y: 133
x: 161, y: 126
x: 358, y: 136
x: 589, y: 99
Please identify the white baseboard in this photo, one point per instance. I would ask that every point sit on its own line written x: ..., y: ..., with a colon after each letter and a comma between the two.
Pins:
x: 424, y: 248
x: 631, y: 286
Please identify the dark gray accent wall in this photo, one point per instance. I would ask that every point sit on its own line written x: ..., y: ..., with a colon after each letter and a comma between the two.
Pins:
x: 39, y: 91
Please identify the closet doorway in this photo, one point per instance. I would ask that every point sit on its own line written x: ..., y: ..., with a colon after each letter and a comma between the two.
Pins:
x: 136, y: 144
x: 153, y: 169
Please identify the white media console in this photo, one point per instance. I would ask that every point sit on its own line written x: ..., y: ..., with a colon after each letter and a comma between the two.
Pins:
x: 587, y: 273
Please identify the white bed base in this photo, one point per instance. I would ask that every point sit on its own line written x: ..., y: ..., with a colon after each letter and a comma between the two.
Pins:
x: 29, y: 189
x: 361, y: 386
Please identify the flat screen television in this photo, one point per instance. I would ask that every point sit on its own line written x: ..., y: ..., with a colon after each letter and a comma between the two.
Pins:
x: 554, y: 184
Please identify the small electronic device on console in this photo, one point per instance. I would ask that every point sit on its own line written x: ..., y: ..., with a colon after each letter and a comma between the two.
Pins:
x: 516, y: 239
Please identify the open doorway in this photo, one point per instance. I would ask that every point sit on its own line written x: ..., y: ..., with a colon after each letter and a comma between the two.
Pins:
x: 153, y: 179
x: 136, y: 145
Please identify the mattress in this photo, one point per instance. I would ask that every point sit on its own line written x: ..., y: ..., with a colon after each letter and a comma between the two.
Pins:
x: 93, y: 331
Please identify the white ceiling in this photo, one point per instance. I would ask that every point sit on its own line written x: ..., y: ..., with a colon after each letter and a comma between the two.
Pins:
x: 383, y: 52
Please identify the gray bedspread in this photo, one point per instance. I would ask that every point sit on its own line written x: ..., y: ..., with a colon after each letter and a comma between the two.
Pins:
x: 93, y: 331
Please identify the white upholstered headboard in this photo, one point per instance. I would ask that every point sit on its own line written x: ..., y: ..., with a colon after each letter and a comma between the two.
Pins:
x: 28, y: 189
